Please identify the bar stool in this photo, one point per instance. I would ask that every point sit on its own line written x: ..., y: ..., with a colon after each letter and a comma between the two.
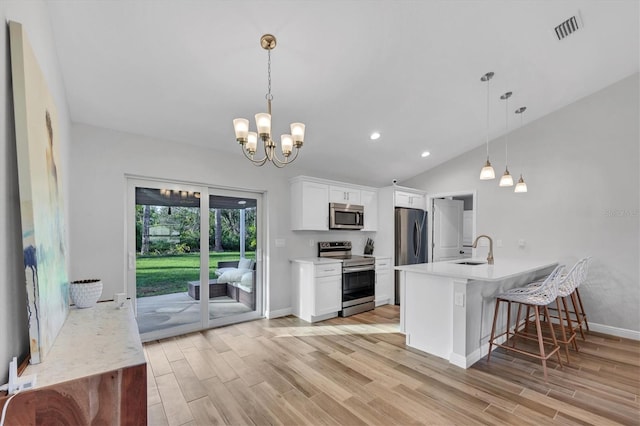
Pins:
x: 531, y: 297
x: 568, y: 283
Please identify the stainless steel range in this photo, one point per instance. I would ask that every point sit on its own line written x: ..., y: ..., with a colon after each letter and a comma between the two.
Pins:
x: 358, y: 277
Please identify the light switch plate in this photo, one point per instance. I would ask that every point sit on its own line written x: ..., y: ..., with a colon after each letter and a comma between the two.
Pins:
x: 280, y: 242
x: 459, y: 299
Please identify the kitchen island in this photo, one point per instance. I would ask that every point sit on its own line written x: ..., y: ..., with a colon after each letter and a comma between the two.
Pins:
x: 446, y: 308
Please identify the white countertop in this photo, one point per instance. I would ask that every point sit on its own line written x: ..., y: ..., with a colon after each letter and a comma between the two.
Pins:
x: 316, y: 260
x: 92, y: 341
x: 503, y: 268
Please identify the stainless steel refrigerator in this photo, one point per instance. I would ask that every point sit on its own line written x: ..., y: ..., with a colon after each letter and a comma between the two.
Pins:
x: 411, y: 240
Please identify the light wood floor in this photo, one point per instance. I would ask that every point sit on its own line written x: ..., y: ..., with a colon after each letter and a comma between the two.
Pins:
x: 357, y: 371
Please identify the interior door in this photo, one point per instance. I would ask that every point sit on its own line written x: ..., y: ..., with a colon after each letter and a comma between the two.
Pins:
x: 447, y: 229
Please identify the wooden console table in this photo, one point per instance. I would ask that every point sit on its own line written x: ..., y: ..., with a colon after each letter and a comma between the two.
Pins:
x: 95, y: 373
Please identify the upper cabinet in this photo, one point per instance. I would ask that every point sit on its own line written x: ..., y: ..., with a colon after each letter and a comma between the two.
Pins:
x: 344, y: 194
x: 310, y: 198
x: 369, y: 200
x: 309, y: 206
x: 412, y: 200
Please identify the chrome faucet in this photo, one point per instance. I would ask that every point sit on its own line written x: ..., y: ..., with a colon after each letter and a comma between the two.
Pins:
x: 490, y: 256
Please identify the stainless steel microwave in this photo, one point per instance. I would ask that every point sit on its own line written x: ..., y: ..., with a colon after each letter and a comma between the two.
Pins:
x: 346, y: 216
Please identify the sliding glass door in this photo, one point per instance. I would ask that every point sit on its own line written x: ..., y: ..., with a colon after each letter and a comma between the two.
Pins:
x: 182, y: 278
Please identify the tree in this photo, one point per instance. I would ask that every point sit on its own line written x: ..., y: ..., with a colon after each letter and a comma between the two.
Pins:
x: 146, y: 216
x: 218, y: 237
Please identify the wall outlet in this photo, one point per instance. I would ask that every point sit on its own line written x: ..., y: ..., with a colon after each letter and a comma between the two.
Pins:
x: 280, y: 242
x: 312, y: 243
x: 499, y: 243
x: 522, y: 243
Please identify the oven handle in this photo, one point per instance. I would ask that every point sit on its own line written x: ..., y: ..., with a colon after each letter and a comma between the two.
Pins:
x: 358, y: 269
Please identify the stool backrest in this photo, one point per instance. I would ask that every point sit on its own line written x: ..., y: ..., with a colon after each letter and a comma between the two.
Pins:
x: 571, y: 280
x: 584, y: 270
x: 548, y: 291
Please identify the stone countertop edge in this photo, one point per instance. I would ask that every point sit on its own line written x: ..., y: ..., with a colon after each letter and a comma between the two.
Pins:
x: 92, y: 341
x: 502, y: 269
x: 316, y: 260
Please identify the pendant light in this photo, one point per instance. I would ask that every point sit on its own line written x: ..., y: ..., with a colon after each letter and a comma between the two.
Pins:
x: 506, y: 179
x: 487, y: 171
x: 521, y: 186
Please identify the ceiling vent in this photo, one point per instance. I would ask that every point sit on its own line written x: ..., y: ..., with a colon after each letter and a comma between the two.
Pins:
x: 568, y: 27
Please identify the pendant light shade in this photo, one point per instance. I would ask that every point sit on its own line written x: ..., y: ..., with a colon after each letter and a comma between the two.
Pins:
x: 506, y: 179
x: 521, y: 186
x: 487, y: 171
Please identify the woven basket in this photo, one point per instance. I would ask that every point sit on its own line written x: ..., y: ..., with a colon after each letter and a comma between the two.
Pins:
x: 85, y: 293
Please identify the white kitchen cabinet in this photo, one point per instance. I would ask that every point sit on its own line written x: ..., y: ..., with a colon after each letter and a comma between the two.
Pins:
x: 344, y: 195
x: 310, y: 198
x: 317, y: 290
x: 369, y: 200
x: 309, y: 206
x: 384, y: 281
x: 467, y: 227
x: 410, y: 199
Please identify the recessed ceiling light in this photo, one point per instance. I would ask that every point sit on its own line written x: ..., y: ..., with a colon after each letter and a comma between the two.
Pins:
x: 425, y: 154
x: 374, y: 136
x: 242, y: 202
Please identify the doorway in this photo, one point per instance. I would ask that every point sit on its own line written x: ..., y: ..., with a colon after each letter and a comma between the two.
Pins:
x: 453, y: 225
x: 181, y: 238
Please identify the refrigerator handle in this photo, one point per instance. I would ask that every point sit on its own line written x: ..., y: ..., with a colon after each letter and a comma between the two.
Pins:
x: 416, y: 239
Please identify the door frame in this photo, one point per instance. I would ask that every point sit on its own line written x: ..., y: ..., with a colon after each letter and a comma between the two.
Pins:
x: 129, y: 261
x: 430, y: 197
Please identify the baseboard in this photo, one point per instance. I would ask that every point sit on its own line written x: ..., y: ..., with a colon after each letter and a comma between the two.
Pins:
x: 615, y: 331
x: 279, y: 313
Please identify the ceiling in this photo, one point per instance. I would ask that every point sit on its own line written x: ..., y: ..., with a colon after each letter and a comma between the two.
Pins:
x: 183, y: 70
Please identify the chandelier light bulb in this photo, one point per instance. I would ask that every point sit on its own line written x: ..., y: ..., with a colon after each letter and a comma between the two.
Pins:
x: 286, y: 142
x: 241, y: 127
x: 297, y: 133
x: 252, y: 142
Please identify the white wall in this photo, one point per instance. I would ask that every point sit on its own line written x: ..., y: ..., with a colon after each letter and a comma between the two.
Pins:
x: 100, y: 160
x: 581, y: 166
x: 33, y: 15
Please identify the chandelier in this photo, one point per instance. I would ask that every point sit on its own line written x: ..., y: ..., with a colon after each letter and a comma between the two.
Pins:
x: 249, y: 140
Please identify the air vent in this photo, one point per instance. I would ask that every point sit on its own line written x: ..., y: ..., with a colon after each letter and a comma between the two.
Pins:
x: 568, y: 27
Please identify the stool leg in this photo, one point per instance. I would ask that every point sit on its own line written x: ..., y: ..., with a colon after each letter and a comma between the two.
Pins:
x: 493, y: 328
x: 509, y: 324
x: 553, y: 336
x: 526, y: 320
x: 584, y: 316
x: 562, y: 329
x: 540, y: 342
x: 576, y: 309
x: 572, y: 330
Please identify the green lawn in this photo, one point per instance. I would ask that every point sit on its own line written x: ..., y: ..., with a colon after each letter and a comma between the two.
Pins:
x: 166, y: 274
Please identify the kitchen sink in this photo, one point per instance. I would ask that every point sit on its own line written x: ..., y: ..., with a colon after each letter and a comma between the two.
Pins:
x: 470, y: 262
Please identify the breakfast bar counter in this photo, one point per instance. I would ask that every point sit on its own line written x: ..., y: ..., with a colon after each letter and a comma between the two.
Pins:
x: 446, y: 308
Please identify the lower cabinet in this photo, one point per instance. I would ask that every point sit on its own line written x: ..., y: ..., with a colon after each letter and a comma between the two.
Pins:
x: 317, y: 290
x: 384, y: 281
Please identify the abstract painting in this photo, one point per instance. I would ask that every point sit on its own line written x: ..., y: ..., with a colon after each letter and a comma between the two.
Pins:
x: 41, y: 201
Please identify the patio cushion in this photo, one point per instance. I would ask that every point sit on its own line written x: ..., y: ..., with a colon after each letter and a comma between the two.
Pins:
x: 221, y: 271
x: 244, y: 263
x: 246, y: 282
x: 232, y: 276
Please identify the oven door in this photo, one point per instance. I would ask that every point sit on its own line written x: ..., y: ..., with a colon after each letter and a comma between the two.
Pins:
x: 358, y: 285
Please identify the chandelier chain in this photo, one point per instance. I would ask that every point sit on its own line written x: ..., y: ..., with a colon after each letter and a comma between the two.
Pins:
x: 269, y: 96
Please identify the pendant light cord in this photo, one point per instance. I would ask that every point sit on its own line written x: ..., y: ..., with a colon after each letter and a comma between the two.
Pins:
x: 488, y: 82
x: 506, y: 135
